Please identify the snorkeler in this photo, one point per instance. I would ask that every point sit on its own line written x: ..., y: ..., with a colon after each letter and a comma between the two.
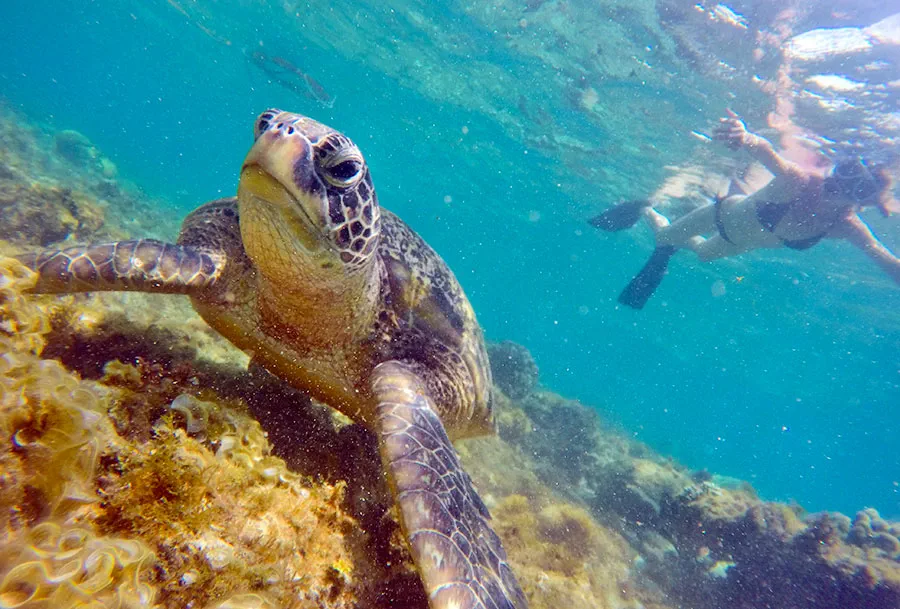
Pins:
x: 796, y: 209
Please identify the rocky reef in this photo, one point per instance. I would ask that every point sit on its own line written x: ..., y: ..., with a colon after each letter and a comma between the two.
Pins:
x: 514, y: 370
x: 145, y: 489
x: 56, y: 186
x: 706, y: 540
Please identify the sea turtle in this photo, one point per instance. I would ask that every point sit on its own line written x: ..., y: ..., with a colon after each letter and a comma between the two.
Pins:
x: 305, y: 272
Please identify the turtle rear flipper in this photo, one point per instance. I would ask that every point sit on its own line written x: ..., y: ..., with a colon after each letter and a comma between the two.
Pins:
x: 142, y: 265
x: 460, y: 558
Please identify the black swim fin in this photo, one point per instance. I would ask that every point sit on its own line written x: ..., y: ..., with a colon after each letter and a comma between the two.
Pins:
x: 641, y: 288
x: 619, y: 217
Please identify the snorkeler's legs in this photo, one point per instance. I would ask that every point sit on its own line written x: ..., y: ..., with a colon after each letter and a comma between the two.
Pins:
x: 716, y: 247
x: 684, y: 231
x: 656, y: 220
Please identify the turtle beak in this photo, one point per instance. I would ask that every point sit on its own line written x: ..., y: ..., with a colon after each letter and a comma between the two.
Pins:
x: 258, y: 183
x: 278, y: 180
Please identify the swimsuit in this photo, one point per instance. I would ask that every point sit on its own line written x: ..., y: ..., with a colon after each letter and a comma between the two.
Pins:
x: 768, y: 214
x: 720, y: 226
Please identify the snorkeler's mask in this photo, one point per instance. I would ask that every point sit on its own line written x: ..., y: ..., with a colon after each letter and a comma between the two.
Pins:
x: 852, y: 179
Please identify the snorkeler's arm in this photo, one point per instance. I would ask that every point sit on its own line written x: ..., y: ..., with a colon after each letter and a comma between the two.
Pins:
x: 762, y: 150
x: 857, y: 232
x: 733, y: 132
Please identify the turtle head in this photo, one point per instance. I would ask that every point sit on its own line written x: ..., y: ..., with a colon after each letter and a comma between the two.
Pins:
x: 305, y: 193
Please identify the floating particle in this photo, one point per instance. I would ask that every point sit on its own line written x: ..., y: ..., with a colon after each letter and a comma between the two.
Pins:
x: 718, y: 288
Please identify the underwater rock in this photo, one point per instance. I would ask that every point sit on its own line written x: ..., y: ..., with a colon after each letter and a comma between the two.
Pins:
x: 34, y: 213
x: 513, y: 368
x: 75, y: 147
x: 572, y: 450
x: 738, y: 551
x: 108, y: 189
x: 562, y: 555
x: 78, y: 150
x: 107, y: 168
x: 707, y: 541
x: 29, y: 159
x: 869, y: 530
x: 512, y: 422
x: 713, y: 37
x: 6, y: 172
x: 557, y: 447
x: 832, y: 82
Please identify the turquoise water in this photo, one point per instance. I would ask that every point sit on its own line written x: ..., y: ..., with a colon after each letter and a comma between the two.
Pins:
x: 478, y: 135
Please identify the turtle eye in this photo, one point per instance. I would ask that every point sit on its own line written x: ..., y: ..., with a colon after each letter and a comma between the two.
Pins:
x: 346, y: 173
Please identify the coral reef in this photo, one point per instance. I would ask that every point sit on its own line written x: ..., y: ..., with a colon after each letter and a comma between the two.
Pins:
x: 738, y: 551
x: 705, y: 540
x: 98, y: 474
x: 34, y: 213
x: 56, y: 186
x: 56, y: 433
x: 572, y: 451
x: 78, y: 150
x: 562, y: 555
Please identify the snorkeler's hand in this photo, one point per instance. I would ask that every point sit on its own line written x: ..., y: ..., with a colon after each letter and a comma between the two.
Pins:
x: 888, y: 206
x: 732, y: 131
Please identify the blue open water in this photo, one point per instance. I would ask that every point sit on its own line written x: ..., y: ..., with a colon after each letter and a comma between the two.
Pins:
x: 790, y: 379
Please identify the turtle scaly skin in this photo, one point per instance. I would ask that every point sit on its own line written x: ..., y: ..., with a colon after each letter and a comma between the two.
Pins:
x: 305, y: 272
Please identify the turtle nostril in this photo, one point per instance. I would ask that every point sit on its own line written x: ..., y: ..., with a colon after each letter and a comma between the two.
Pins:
x: 264, y: 122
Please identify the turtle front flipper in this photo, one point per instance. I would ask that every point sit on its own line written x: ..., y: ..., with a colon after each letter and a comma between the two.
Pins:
x: 460, y: 558
x: 143, y: 265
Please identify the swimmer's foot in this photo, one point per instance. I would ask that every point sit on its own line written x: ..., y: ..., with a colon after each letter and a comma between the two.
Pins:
x: 658, y: 223
x: 641, y: 288
x: 619, y: 217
